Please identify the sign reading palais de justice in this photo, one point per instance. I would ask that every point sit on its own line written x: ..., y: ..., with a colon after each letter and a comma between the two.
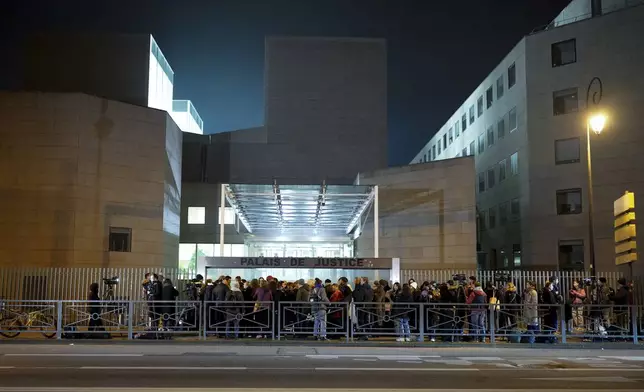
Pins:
x: 298, y: 262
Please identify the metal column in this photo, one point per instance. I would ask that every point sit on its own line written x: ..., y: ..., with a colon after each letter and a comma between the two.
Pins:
x: 222, y: 216
x: 376, y: 226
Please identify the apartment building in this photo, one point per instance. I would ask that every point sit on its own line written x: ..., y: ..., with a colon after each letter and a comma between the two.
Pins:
x: 525, y: 124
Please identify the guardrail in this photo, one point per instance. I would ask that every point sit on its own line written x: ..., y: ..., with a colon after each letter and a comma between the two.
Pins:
x: 513, y: 323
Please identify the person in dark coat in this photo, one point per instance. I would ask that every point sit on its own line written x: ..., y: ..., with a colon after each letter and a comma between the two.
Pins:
x: 94, y: 308
x: 168, y: 297
x: 550, y: 319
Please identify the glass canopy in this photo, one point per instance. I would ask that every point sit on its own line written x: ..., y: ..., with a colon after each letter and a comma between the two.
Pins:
x: 321, y: 210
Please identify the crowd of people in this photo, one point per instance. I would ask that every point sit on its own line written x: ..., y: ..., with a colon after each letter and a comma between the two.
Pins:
x: 458, y: 309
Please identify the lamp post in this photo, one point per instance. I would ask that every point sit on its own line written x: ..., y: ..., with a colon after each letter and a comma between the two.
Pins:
x: 595, y: 122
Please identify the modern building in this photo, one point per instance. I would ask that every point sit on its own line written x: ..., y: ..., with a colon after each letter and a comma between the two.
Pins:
x: 129, y: 68
x: 87, y: 182
x: 525, y: 125
x: 305, y: 184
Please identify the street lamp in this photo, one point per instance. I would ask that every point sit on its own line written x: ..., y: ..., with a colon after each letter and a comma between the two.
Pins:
x: 596, y: 122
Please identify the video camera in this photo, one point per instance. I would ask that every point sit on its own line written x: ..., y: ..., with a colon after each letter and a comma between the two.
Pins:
x: 589, y: 281
x: 111, y: 281
x: 502, y: 277
x: 460, y: 278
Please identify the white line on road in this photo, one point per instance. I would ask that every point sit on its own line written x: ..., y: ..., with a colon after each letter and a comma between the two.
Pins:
x: 481, y: 358
x: 626, y: 358
x: 379, y: 369
x: 409, y: 361
x: 585, y: 379
x: 398, y: 357
x: 365, y: 360
x: 73, y: 355
x: 160, y: 368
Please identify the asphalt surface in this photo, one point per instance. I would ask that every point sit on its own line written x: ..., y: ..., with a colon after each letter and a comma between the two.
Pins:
x: 166, y: 367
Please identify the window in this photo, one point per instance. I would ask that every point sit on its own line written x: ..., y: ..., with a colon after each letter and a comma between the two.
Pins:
x: 491, y: 217
x: 471, y: 114
x: 451, y: 136
x: 515, y: 209
x: 571, y: 255
x: 481, y: 143
x: 439, y: 146
x: 514, y: 164
x: 434, y: 152
x: 482, y: 221
x: 490, y: 136
x: 491, y: 177
x: 464, y: 122
x: 512, y: 119
x: 500, y: 128
x: 567, y: 151
x: 503, y: 213
x: 489, y: 97
x: 120, y: 239
x: 229, y: 216
x: 512, y: 75
x: 569, y: 201
x: 471, y: 148
x: 479, y: 106
x: 457, y: 129
x: 499, y: 88
x: 196, y: 215
x: 502, y: 169
x: 564, y: 52
x: 481, y: 182
x: 516, y: 255
x: 444, y: 141
x: 565, y: 101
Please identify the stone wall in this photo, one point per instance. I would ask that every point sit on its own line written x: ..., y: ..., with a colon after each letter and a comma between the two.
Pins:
x: 426, y: 213
x: 71, y: 167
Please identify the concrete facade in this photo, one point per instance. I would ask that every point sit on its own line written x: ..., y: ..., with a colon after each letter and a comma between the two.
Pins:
x: 532, y: 235
x: 72, y: 166
x: 427, y: 215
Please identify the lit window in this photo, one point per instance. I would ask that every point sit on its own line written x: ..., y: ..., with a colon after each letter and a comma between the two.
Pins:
x: 514, y: 164
x: 516, y: 254
x: 567, y: 151
x: 499, y: 87
x: 512, y: 119
x: 229, y: 216
x: 569, y: 202
x: 564, y: 52
x: 196, y: 215
x: 512, y: 75
x: 565, y: 101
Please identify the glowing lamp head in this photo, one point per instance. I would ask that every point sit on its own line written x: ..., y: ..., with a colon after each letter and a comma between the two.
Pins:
x: 597, y: 123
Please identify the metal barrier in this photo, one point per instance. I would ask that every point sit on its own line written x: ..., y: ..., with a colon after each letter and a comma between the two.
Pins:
x: 248, y: 318
x: 448, y: 322
x: 313, y: 319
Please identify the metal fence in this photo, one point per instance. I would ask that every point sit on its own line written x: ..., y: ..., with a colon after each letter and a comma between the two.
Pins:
x: 489, y: 323
x: 73, y: 283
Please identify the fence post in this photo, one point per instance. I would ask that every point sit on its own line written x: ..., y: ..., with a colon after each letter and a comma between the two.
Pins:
x: 279, y: 321
x: 130, y: 320
x: 421, y: 323
x: 203, y: 312
x: 562, y: 322
x: 272, y: 307
x: 59, y: 320
x: 348, y: 321
x: 491, y: 325
x: 634, y: 323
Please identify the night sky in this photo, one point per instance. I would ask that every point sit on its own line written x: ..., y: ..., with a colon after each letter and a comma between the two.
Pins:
x: 438, y: 51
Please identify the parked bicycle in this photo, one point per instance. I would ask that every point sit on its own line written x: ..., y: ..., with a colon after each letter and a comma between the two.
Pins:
x: 13, y: 322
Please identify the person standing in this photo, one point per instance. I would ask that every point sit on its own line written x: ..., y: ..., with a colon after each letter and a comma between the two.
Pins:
x: 234, y: 300
x: 168, y: 297
x: 531, y: 310
x: 319, y: 303
x: 577, y: 298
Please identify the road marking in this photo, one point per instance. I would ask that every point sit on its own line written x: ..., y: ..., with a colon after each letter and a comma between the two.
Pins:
x: 398, y: 357
x: 504, y: 365
x: 73, y: 355
x: 613, y: 365
x: 626, y: 358
x: 322, y: 356
x: 585, y: 379
x: 378, y: 369
x: 409, y: 361
x: 481, y: 358
x: 365, y: 360
x: 160, y: 368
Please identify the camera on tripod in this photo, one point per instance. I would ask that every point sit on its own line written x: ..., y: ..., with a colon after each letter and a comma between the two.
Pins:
x: 502, y: 277
x: 460, y: 278
x: 111, y: 281
x: 589, y: 281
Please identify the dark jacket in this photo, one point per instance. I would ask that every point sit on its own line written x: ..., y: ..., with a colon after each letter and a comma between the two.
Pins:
x: 93, y: 296
x: 168, y: 293
x: 236, y: 297
x: 402, y: 307
x: 303, y: 293
x: 220, y: 291
x: 346, y: 292
x: 621, y: 296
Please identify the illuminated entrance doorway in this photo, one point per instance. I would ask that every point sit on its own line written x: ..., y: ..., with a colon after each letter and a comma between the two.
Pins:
x: 299, y: 221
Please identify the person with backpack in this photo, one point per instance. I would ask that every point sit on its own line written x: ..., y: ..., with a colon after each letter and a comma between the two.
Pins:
x: 511, y: 309
x: 402, y: 313
x: 319, y: 302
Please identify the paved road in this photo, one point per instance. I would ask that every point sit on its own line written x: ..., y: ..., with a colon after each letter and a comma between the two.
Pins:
x: 183, y: 367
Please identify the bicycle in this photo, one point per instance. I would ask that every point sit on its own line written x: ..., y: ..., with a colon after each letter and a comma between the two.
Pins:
x: 10, y: 327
